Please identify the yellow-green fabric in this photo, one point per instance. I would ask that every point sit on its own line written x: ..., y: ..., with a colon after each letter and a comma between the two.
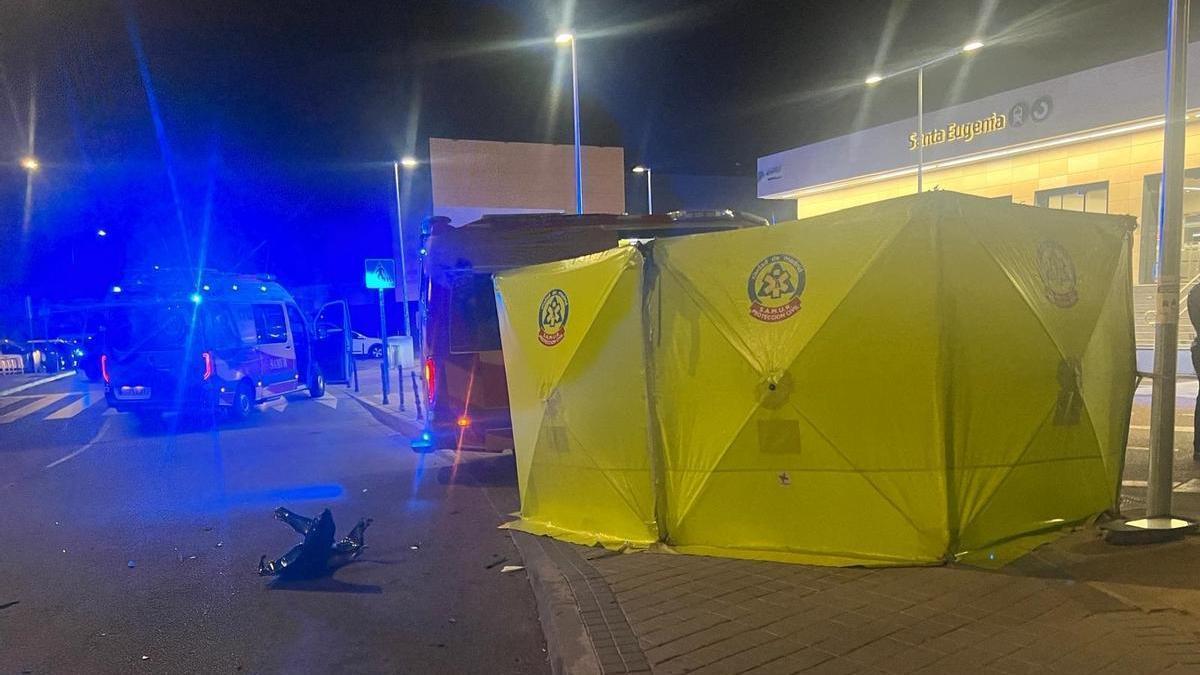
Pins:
x: 577, y: 393
x: 927, y: 378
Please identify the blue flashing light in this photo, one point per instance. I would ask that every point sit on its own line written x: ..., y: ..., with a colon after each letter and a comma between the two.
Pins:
x: 116, y: 289
x: 78, y: 352
x: 263, y: 289
x: 427, y: 436
x: 156, y: 268
x: 422, y: 252
x: 196, y: 298
x: 205, y: 287
x: 234, y: 287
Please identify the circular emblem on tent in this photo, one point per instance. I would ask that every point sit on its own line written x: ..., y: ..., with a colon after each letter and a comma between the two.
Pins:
x: 774, y: 287
x: 552, y: 317
x: 1058, y: 274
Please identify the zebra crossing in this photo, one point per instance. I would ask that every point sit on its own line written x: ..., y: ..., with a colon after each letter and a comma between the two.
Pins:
x: 67, y: 405
x: 48, y: 406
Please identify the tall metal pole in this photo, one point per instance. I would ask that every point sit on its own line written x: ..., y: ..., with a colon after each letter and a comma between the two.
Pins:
x: 920, y: 128
x: 1170, y: 236
x: 403, y: 268
x: 384, y: 375
x: 649, y: 192
x: 578, y: 153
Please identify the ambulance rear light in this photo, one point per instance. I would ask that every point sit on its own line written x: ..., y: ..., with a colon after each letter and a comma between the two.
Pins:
x: 208, y: 364
x: 430, y: 381
x: 104, y: 369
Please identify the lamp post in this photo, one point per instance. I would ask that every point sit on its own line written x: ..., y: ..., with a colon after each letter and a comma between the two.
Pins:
x: 649, y: 188
x: 876, y: 78
x: 569, y: 39
x: 409, y: 163
x: 1166, y: 332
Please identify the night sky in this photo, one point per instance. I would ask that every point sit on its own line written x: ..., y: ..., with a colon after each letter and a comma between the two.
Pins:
x: 259, y: 135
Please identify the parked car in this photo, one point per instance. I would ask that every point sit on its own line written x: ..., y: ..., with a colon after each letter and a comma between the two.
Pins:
x: 362, y: 345
x: 22, y: 352
x: 56, y: 355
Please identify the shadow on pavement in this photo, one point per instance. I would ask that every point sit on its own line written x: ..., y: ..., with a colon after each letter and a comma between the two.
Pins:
x: 481, y: 470
x: 324, y: 585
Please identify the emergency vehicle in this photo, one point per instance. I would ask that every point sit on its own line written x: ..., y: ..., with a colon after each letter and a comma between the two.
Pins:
x: 466, y: 389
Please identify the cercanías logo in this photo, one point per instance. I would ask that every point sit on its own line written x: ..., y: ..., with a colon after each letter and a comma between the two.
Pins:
x: 774, y: 287
x: 1057, y: 271
x: 552, y: 317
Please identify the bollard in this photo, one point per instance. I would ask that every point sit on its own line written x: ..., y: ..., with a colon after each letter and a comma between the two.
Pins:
x: 400, y: 385
x: 417, y: 395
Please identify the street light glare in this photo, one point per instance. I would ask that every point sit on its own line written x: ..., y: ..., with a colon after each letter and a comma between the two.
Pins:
x: 563, y: 38
x: 101, y: 233
x: 972, y: 46
x: 408, y: 162
x: 874, y: 78
x: 639, y: 169
x: 30, y: 163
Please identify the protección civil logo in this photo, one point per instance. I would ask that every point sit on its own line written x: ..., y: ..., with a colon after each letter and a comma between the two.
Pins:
x: 552, y: 317
x: 774, y: 288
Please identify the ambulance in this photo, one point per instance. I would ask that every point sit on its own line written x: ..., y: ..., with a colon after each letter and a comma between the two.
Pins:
x: 465, y: 386
x: 210, y: 342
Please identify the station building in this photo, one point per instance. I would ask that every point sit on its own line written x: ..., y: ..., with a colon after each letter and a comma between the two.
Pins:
x: 1088, y: 141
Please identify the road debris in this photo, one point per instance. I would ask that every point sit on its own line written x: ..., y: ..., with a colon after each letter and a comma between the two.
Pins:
x: 511, y: 568
x: 317, y: 555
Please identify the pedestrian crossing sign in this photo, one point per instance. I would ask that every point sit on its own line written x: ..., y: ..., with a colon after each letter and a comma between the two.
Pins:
x: 380, y: 273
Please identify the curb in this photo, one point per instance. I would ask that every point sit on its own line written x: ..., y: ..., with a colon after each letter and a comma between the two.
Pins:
x: 388, y: 418
x: 44, y: 380
x: 568, y: 645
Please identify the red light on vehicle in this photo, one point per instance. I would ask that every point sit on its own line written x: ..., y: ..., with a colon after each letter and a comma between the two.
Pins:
x: 208, y: 364
x: 104, y: 368
x: 430, y: 383
x: 464, y: 421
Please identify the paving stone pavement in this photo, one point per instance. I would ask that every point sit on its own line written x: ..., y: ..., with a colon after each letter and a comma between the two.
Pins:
x: 681, y: 614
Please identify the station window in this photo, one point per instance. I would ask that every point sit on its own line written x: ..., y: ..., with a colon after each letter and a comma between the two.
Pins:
x: 1189, y: 264
x: 1092, y: 198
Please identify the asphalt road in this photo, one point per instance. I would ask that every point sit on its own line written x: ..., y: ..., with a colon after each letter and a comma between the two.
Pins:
x: 130, y: 549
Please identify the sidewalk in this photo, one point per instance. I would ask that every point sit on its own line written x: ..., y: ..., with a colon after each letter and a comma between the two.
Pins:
x: 1077, y: 605
x: 370, y: 395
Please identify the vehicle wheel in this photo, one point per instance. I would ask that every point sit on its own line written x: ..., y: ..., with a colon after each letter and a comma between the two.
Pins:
x: 316, y: 382
x: 375, y: 352
x: 243, y: 402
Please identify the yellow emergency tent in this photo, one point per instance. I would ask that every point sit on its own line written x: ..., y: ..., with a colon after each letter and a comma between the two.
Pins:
x: 926, y: 378
x: 572, y: 337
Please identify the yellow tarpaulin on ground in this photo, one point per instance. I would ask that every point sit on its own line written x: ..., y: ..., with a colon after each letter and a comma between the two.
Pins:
x: 927, y: 378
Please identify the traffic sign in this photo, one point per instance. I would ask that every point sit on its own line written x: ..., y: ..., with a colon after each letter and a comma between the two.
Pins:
x: 380, y: 273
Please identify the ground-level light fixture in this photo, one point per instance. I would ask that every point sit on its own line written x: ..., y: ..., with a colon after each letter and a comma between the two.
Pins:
x: 30, y: 163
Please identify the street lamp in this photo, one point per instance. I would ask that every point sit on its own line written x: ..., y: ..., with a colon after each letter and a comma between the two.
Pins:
x: 102, y: 233
x: 876, y: 78
x: 409, y: 163
x: 563, y: 39
x: 30, y: 163
x: 649, y: 189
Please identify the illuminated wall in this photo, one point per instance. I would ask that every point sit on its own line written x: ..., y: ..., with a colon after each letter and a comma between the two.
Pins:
x: 1123, y: 162
x: 476, y: 177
